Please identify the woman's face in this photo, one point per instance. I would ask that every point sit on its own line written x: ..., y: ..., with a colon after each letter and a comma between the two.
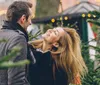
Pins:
x: 53, y: 35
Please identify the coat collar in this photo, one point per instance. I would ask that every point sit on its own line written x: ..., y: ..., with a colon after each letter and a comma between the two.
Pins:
x: 16, y: 27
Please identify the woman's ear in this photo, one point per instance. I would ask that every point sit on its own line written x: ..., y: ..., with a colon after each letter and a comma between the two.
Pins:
x: 56, y: 44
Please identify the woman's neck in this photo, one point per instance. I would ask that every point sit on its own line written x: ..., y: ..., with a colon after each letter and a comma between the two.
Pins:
x: 46, y: 46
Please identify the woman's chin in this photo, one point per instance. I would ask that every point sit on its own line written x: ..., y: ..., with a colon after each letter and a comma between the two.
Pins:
x: 44, y: 35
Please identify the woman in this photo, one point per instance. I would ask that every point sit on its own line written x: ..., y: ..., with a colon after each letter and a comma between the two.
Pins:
x: 59, y: 61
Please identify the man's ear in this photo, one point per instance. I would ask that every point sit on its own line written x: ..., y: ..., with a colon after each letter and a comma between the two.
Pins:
x: 22, y: 19
x: 56, y: 44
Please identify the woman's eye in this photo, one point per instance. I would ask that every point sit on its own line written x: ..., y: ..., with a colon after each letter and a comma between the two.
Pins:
x: 55, y: 32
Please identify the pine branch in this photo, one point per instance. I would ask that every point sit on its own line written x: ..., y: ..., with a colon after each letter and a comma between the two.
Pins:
x: 97, y: 13
x: 34, y: 36
x: 3, y: 40
x: 14, y: 52
x: 5, y: 65
x: 96, y: 22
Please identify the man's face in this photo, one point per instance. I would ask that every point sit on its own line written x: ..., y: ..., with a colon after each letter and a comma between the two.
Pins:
x: 25, y: 22
x: 28, y: 21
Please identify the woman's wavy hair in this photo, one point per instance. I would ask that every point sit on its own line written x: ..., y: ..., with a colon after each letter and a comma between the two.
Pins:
x: 70, y: 58
x: 68, y: 54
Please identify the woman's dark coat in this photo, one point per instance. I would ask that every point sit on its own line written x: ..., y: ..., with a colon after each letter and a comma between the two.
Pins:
x: 41, y: 73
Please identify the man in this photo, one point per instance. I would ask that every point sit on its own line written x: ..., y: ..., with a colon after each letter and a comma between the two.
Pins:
x: 14, y: 31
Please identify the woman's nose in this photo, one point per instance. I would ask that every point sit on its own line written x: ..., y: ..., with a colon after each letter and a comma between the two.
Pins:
x: 50, y: 30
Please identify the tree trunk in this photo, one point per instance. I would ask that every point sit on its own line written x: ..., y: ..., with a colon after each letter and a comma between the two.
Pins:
x: 46, y: 8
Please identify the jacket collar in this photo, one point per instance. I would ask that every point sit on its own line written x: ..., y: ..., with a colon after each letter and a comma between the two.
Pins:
x: 16, y: 27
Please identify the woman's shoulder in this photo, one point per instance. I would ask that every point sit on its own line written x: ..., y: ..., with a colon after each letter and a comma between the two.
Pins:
x: 40, y: 56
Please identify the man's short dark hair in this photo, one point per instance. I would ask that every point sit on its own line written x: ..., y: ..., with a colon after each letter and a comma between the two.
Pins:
x: 17, y: 9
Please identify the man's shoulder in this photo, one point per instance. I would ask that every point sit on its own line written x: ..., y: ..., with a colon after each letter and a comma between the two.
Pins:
x: 10, y: 34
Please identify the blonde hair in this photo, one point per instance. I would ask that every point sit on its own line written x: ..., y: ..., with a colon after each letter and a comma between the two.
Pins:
x: 68, y: 54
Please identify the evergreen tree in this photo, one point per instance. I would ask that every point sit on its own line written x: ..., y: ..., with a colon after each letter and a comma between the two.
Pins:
x: 5, y: 63
x: 93, y: 76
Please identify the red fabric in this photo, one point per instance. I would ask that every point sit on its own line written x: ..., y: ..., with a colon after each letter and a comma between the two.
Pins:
x: 95, y: 35
x: 77, y: 80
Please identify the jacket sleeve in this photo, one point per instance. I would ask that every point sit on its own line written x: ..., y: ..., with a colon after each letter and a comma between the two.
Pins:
x: 17, y: 75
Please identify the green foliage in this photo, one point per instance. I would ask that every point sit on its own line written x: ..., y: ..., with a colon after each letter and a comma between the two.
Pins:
x: 47, y: 26
x: 97, y: 20
x: 96, y: 13
x: 3, y: 40
x: 73, y: 25
x: 93, y: 76
x: 34, y: 36
x: 9, y: 64
x: 5, y: 61
x: 94, y: 28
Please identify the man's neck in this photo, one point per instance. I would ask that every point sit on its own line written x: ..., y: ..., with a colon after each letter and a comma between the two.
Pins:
x: 21, y: 25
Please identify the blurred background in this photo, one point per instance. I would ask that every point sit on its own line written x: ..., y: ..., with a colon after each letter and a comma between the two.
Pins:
x: 53, y: 6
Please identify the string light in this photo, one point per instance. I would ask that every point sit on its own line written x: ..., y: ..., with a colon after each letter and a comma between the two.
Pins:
x: 83, y: 15
x: 89, y: 15
x: 53, y: 20
x: 66, y: 18
x: 94, y: 16
x: 60, y: 18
